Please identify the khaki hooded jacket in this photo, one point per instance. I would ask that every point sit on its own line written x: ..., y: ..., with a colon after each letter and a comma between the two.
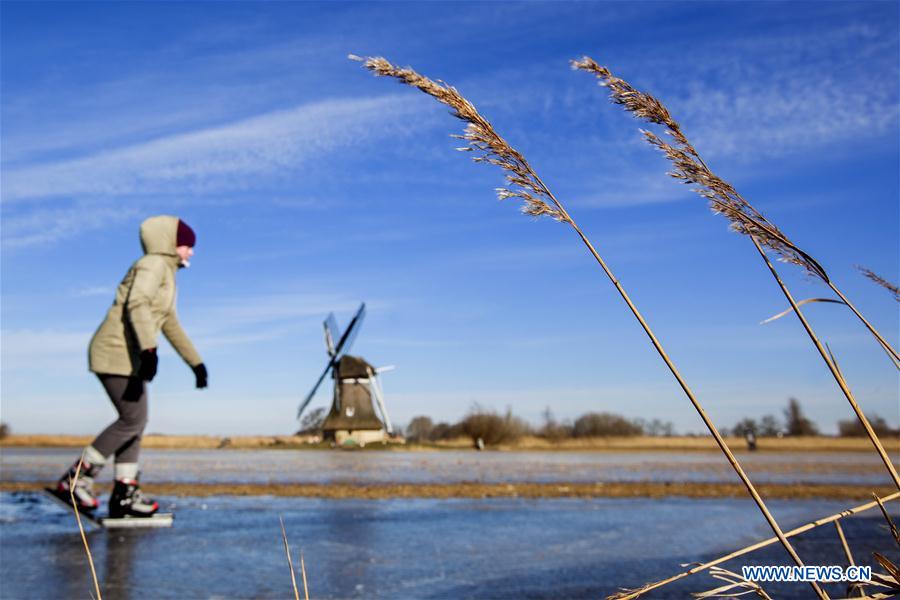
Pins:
x: 144, y: 306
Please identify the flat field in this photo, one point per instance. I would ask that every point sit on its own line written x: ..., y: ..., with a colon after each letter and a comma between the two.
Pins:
x: 675, y: 443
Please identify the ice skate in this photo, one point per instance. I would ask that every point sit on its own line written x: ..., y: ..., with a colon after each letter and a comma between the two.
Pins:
x: 84, y: 487
x: 127, y: 500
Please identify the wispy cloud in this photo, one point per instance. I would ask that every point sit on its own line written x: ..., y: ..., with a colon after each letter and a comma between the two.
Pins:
x: 48, y: 225
x: 216, y: 77
x: 90, y: 192
x: 214, y: 158
x: 793, y: 113
x: 761, y: 96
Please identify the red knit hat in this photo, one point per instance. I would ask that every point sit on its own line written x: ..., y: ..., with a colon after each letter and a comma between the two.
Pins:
x: 185, y: 235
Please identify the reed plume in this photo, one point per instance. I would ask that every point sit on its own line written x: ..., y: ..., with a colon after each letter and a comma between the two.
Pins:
x: 483, y: 141
x: 690, y: 168
x: 893, y: 289
x: 723, y: 199
x: 523, y: 182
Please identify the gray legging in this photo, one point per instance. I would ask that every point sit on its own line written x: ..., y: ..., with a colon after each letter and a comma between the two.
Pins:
x: 123, y: 437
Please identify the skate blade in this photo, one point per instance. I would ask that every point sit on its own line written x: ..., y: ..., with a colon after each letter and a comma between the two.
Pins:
x: 86, y: 515
x: 157, y: 520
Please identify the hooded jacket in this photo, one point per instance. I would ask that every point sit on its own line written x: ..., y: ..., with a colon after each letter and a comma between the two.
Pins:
x: 144, y: 306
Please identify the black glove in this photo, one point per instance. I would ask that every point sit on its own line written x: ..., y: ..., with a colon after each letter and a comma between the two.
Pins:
x: 149, y: 362
x: 201, y: 375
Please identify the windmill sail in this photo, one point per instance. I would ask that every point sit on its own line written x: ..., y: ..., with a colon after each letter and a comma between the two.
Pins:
x: 332, y: 333
x: 343, y: 345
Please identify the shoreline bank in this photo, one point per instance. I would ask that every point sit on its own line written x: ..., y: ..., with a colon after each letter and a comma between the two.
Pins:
x: 499, y: 490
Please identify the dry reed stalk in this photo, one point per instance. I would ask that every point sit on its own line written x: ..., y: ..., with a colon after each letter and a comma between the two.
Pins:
x: 636, y: 593
x: 893, y: 289
x: 524, y: 183
x: 834, y: 368
x: 734, y: 582
x: 890, y: 581
x: 287, y: 551
x: 890, y: 567
x: 844, y: 544
x: 745, y: 219
x: 87, y: 548
x: 303, y: 572
x: 889, y: 520
x: 856, y: 588
x: 834, y: 360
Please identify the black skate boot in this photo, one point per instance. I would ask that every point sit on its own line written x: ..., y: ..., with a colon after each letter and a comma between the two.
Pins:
x: 84, y: 487
x: 127, y: 500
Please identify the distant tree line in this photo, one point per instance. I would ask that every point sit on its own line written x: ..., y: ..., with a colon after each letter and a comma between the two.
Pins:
x: 795, y: 423
x: 494, y: 428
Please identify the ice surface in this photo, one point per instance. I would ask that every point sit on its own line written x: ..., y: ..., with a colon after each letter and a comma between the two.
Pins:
x: 499, y: 548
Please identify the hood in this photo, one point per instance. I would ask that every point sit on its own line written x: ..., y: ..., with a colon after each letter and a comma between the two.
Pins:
x: 158, y: 235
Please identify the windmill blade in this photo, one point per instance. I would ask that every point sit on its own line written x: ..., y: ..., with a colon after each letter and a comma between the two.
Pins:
x: 343, y: 344
x: 312, y: 393
x: 350, y: 335
x: 379, y: 398
x: 332, y: 333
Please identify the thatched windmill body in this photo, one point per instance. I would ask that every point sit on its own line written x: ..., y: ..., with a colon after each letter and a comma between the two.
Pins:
x: 358, y: 414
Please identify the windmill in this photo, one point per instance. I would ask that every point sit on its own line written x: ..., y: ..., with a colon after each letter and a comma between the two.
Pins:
x: 357, y: 390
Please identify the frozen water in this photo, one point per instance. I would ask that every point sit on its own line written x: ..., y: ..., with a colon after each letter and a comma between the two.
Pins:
x: 231, y: 547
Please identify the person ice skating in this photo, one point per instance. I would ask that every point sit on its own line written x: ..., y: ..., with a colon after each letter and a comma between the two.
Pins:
x: 123, y: 355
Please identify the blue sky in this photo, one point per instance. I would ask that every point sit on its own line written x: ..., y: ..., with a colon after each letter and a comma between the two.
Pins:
x: 313, y: 186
